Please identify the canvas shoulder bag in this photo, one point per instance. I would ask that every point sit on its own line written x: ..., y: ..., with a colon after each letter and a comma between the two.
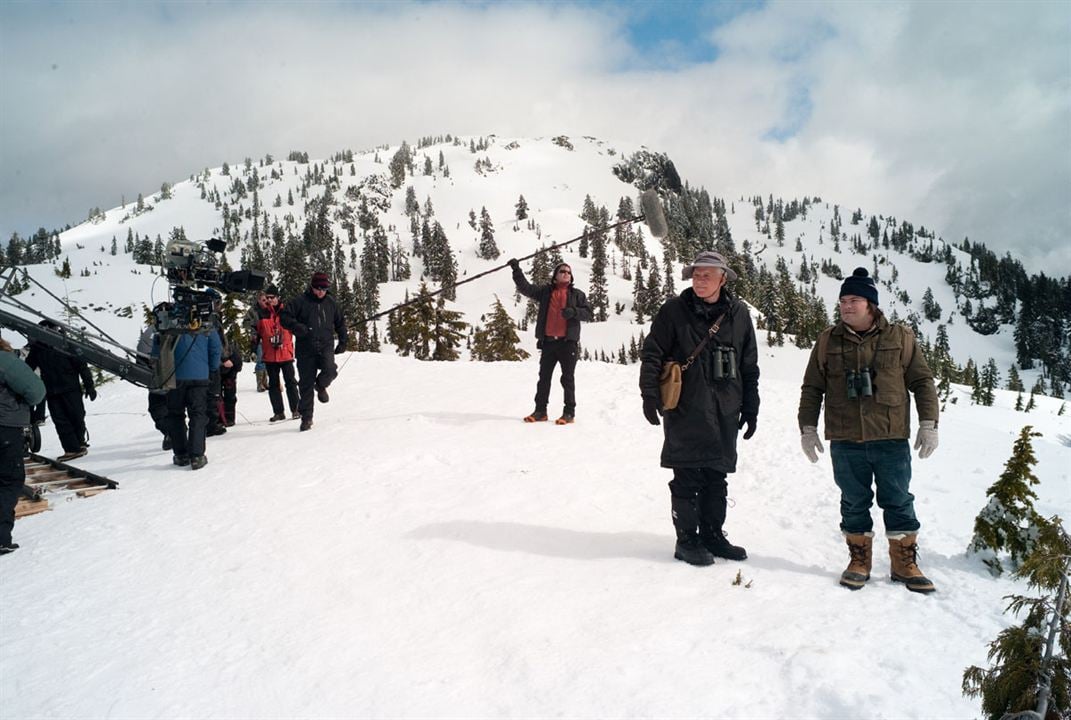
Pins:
x: 672, y: 379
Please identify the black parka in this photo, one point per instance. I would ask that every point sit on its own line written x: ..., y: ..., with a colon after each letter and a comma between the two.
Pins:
x: 541, y: 294
x: 312, y: 320
x: 59, y: 371
x: 702, y: 430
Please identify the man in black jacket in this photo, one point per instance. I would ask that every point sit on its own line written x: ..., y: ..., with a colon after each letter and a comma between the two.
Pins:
x: 557, y: 329
x: 719, y: 396
x: 314, y: 318
x: 61, y: 373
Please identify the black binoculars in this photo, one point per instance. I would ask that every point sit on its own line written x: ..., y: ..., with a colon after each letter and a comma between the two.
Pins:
x: 859, y: 383
x: 276, y: 340
x: 724, y: 363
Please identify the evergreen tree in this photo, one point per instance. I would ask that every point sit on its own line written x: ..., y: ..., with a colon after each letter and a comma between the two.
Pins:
x: 931, y: 310
x: 488, y: 249
x: 399, y: 163
x: 1014, y: 381
x: 598, y: 298
x: 1032, y: 661
x: 521, y: 208
x: 448, y: 332
x: 1008, y: 523
x: 498, y: 339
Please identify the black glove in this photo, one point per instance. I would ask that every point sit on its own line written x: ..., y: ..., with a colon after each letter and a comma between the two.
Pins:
x: 340, y: 348
x: 91, y: 393
x: 514, y: 263
x: 651, y: 411
x: 568, y: 313
x: 301, y: 330
x: 751, y: 421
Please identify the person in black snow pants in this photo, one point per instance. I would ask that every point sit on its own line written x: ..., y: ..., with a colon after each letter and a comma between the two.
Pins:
x: 157, y: 396
x: 61, y: 374
x: 719, y: 396
x: 314, y: 318
x: 562, y: 308
x: 20, y: 389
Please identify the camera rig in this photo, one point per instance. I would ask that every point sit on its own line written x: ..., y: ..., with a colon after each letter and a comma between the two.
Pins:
x: 189, y: 266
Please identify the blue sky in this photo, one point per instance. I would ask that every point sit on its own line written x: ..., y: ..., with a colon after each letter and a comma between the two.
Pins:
x: 955, y: 115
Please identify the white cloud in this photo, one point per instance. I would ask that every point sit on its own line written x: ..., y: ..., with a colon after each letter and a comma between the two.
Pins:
x: 953, y: 116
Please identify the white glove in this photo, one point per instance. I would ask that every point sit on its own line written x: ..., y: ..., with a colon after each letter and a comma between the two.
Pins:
x: 811, y: 443
x: 926, y: 440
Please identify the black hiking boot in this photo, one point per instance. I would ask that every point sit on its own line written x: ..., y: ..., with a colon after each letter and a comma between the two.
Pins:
x: 719, y: 546
x: 321, y: 394
x: 181, y: 460
x: 198, y: 461
x: 166, y: 444
x: 693, y: 553
x: 277, y: 417
x: 9, y: 548
x: 306, y: 424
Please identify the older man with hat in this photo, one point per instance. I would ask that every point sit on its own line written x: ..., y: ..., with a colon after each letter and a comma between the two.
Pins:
x: 314, y: 318
x: 863, y: 368
x: 709, y: 332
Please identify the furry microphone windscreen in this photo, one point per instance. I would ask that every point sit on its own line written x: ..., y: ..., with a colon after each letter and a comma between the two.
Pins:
x: 651, y: 206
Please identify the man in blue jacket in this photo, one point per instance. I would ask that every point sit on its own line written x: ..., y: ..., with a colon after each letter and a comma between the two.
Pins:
x: 20, y: 389
x: 196, y: 354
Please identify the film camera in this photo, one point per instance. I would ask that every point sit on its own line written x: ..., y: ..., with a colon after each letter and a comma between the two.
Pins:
x: 190, y: 266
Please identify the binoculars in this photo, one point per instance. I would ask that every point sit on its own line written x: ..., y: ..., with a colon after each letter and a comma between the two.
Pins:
x: 724, y: 363
x: 859, y: 383
x: 276, y: 340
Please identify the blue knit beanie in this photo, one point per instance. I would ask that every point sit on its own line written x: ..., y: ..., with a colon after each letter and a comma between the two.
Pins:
x: 861, y: 284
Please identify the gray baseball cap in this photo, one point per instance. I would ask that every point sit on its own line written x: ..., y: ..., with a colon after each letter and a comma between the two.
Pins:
x: 708, y: 258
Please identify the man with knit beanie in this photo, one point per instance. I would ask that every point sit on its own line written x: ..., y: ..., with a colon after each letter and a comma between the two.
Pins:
x: 864, y: 368
x: 562, y: 308
x: 314, y: 318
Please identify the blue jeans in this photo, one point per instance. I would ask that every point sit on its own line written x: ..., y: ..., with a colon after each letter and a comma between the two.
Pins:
x: 857, y: 468
x: 259, y: 367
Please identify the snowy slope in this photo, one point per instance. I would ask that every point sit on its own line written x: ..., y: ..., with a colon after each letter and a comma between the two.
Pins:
x: 423, y: 553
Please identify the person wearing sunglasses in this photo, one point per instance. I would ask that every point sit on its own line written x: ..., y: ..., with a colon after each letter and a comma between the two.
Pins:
x: 562, y: 307
x: 277, y: 346
x: 315, y: 318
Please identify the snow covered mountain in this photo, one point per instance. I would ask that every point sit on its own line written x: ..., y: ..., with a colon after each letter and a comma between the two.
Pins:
x: 259, y: 206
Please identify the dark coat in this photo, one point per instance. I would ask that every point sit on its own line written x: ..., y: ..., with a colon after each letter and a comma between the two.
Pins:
x: 541, y: 294
x: 313, y: 320
x: 20, y: 388
x: 59, y: 371
x: 702, y: 430
x: 898, y: 367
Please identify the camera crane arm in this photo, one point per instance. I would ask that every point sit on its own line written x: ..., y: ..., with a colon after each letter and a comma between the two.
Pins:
x: 74, y: 342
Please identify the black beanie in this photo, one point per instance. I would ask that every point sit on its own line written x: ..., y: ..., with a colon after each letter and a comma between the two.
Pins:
x: 861, y: 284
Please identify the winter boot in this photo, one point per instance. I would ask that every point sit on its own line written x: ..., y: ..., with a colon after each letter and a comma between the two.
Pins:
x: 277, y: 417
x: 860, y: 548
x: 686, y: 521
x: 73, y: 454
x: 198, y: 461
x: 565, y: 419
x: 903, y: 556
x: 306, y: 424
x: 262, y: 380
x: 536, y: 416
x: 712, y: 508
x: 166, y: 444
x: 8, y: 548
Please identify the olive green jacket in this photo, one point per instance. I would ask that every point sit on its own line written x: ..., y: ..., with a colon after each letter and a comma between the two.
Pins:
x: 897, y: 368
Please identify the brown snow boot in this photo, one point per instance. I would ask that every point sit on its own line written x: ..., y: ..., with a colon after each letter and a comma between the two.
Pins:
x: 860, y: 548
x: 262, y: 380
x: 903, y: 556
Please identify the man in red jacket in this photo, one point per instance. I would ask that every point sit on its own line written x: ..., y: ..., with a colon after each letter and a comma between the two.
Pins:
x: 277, y: 344
x: 562, y: 307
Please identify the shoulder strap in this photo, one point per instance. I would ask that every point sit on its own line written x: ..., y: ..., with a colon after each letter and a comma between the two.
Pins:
x: 699, y: 348
x: 823, y: 347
